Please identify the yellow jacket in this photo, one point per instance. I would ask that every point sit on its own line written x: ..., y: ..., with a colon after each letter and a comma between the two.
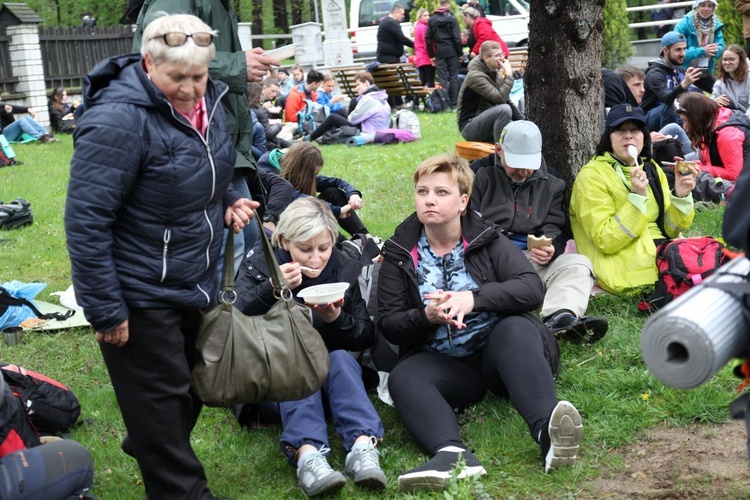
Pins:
x: 612, y: 230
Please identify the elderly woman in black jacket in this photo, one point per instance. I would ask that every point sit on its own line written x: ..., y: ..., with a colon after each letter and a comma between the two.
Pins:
x: 148, y: 196
x: 304, y: 241
x: 458, y: 298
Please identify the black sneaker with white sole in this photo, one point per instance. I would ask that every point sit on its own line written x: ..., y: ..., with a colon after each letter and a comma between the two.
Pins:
x: 565, y: 431
x: 434, y: 474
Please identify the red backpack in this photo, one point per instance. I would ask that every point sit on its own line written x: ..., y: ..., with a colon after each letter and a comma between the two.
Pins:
x: 682, y: 264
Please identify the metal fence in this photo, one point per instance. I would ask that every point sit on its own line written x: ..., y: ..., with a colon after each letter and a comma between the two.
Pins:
x: 7, y: 80
x: 68, y: 54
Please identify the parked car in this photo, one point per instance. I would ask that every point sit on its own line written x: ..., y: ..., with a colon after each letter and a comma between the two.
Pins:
x: 510, y: 19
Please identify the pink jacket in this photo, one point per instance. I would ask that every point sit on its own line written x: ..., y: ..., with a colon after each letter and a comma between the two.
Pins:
x: 483, y: 31
x: 420, y: 46
x: 730, y: 145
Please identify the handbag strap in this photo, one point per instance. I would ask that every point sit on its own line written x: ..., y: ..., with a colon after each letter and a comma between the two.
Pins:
x: 280, y: 288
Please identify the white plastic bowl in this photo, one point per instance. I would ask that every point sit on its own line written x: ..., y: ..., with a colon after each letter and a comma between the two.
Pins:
x: 323, y: 294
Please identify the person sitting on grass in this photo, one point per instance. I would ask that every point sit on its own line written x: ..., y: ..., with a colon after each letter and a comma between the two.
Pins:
x: 458, y: 299
x: 327, y: 97
x: 13, y: 129
x: 61, y: 113
x: 617, y: 215
x: 301, y: 166
x: 304, y: 243
x: 369, y: 111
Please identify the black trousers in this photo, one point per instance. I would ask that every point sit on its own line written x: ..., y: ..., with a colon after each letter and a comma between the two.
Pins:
x: 332, y: 121
x: 427, y: 386
x: 447, y: 75
x: 427, y: 75
x: 352, y: 224
x: 151, y: 379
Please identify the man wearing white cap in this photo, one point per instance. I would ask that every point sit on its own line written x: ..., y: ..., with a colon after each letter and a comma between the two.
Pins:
x: 518, y: 194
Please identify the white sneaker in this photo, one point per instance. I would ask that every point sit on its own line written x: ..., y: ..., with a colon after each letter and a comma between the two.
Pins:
x: 565, y: 434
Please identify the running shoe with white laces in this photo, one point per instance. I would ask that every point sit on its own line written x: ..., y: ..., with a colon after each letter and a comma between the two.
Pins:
x: 316, y: 477
x: 362, y: 466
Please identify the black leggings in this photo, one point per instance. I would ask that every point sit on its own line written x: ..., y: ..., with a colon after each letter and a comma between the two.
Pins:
x: 427, y: 386
x: 332, y: 121
x: 61, y: 469
x: 351, y: 224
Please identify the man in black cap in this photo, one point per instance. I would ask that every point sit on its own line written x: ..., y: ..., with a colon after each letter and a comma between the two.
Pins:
x: 665, y: 80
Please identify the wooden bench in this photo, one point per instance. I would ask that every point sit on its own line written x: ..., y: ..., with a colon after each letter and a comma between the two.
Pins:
x: 472, y: 150
x: 345, y: 78
x: 401, y: 80
x: 518, y: 58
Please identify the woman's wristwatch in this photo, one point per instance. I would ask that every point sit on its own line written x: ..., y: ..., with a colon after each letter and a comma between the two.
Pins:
x: 270, y: 218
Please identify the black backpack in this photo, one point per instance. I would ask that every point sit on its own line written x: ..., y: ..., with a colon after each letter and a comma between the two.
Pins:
x: 439, y: 101
x: 338, y: 135
x: 51, y: 407
x: 16, y: 432
x: 15, y: 214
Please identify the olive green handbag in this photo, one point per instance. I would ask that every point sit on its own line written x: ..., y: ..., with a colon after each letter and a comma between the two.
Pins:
x: 278, y: 356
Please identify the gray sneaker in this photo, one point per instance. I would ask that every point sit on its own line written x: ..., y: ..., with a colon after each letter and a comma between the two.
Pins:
x: 363, y: 466
x: 316, y: 477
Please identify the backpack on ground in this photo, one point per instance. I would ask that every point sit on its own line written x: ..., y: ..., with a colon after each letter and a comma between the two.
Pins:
x: 51, y: 407
x: 682, y: 264
x: 439, y: 101
x: 16, y: 432
x: 15, y: 214
x: 408, y: 120
x: 15, y: 308
x: 310, y: 116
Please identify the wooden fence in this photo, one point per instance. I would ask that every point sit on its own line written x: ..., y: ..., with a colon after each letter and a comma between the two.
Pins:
x: 7, y: 80
x: 68, y: 54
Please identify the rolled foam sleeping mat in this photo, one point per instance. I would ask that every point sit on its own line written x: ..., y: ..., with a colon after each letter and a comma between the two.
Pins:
x: 692, y: 338
x: 355, y: 141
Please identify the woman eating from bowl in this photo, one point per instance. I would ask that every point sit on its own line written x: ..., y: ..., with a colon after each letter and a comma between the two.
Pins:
x: 720, y: 135
x: 458, y: 299
x: 622, y: 207
x: 304, y: 241
x: 148, y: 198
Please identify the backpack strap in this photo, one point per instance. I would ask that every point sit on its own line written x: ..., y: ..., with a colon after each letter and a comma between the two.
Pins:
x: 9, y: 300
x: 655, y: 183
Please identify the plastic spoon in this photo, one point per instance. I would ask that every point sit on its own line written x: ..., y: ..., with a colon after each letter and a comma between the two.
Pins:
x: 632, y: 151
x: 310, y: 269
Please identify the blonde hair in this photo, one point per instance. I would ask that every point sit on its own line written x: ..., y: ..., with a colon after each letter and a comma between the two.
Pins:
x: 188, y: 54
x: 456, y: 167
x: 487, y: 47
x: 303, y: 220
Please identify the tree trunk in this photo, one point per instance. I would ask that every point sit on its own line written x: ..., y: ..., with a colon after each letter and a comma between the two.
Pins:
x: 280, y: 18
x: 296, y: 12
x: 564, y: 78
x: 257, y: 20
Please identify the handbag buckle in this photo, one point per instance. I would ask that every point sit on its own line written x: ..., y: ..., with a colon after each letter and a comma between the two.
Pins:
x: 228, y: 296
x: 283, y: 294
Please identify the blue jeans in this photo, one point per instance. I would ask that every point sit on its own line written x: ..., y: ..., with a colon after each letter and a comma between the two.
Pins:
x: 62, y: 469
x: 660, y: 116
x: 353, y: 415
x: 23, y: 125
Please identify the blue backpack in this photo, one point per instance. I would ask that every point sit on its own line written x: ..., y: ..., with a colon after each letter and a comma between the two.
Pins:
x: 309, y: 117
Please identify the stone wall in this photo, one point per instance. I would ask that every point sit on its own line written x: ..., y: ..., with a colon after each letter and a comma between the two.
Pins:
x: 26, y: 60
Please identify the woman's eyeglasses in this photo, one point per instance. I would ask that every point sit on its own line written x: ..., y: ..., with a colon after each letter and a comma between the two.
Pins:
x: 730, y: 59
x: 177, y: 39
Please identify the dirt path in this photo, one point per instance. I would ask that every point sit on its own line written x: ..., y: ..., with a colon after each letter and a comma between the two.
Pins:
x: 698, y: 461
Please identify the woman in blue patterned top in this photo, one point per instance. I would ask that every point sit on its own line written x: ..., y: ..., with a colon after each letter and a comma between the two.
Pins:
x: 458, y: 297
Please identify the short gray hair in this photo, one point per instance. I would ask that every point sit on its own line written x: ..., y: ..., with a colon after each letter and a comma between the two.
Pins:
x: 471, y: 12
x: 303, y: 220
x: 188, y: 54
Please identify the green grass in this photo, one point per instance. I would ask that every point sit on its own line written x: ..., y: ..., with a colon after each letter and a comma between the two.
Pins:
x: 608, y: 381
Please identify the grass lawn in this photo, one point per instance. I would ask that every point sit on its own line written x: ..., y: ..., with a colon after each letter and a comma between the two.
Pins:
x: 608, y: 381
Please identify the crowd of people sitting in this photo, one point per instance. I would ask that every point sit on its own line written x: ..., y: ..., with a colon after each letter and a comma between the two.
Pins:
x: 476, y: 287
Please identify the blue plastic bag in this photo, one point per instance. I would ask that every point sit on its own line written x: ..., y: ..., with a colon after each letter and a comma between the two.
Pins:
x: 16, y: 314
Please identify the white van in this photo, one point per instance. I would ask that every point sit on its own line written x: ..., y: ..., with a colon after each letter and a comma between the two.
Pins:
x: 510, y: 19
